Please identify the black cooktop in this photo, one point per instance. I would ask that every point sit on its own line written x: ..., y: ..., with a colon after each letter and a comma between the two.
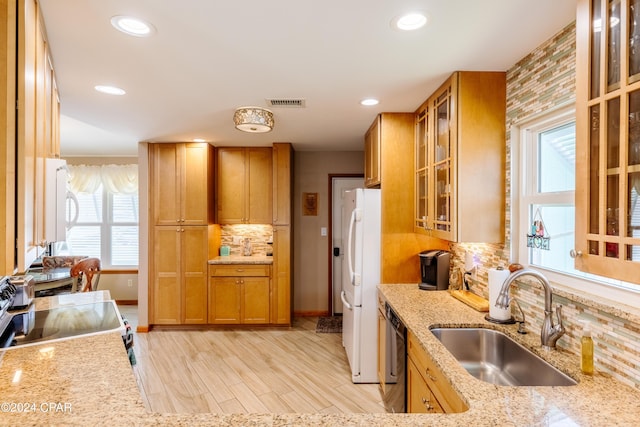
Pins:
x: 61, y: 322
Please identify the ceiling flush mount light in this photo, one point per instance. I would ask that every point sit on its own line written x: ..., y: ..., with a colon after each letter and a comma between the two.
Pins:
x: 409, y: 21
x: 253, y: 119
x: 110, y: 90
x: 132, y: 26
x: 369, y: 102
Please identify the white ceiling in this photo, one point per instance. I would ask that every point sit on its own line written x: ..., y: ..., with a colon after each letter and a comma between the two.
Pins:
x: 209, y: 57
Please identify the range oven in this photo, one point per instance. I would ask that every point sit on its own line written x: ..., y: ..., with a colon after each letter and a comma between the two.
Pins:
x: 396, y: 361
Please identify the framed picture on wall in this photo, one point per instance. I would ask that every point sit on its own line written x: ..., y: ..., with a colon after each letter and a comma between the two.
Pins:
x: 310, y: 204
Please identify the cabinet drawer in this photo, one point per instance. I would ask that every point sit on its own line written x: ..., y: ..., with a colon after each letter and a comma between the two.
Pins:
x: 420, y: 399
x: 439, y: 385
x: 239, y: 270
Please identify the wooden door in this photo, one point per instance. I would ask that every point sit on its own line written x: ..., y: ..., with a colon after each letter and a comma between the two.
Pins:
x: 166, y: 276
x: 165, y: 165
x: 607, y: 225
x: 282, y: 183
x: 224, y: 300
x: 281, y: 294
x: 231, y: 186
x: 372, y: 162
x: 443, y: 155
x: 259, y: 178
x: 193, y: 260
x: 195, y: 184
x: 419, y: 397
x: 255, y: 300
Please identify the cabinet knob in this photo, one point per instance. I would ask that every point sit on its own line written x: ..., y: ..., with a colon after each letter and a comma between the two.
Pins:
x: 427, y: 404
x: 575, y: 254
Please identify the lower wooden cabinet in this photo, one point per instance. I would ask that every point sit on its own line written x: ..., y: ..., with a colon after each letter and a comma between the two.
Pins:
x: 239, y: 294
x: 419, y: 396
x: 179, y: 274
x: 427, y: 388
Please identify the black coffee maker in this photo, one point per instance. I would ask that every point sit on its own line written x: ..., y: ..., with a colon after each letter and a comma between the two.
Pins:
x: 434, y: 270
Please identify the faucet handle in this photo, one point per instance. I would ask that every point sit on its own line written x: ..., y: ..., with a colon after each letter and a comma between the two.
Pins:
x: 559, y: 317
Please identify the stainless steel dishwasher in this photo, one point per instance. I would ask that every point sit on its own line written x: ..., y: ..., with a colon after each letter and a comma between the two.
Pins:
x: 396, y: 362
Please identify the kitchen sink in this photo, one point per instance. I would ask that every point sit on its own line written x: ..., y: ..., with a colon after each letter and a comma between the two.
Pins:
x: 493, y: 357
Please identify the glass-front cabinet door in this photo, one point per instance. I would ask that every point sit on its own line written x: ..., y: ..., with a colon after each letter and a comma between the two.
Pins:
x: 434, y: 148
x: 442, y: 161
x: 422, y: 179
x: 608, y: 138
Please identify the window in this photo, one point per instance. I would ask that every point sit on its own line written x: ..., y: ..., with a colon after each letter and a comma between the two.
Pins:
x: 544, y: 154
x: 107, y: 215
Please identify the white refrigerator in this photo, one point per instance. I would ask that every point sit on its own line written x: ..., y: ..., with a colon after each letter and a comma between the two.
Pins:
x: 360, y: 278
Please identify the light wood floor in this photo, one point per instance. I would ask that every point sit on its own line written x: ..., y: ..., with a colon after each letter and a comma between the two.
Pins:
x: 292, y: 370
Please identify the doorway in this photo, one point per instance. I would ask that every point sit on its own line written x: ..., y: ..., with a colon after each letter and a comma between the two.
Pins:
x: 337, y: 186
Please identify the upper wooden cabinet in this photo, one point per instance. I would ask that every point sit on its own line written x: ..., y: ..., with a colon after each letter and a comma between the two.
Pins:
x: 282, y: 183
x: 608, y: 138
x: 244, y: 185
x: 372, y: 154
x: 182, y: 183
x: 37, y: 131
x: 8, y: 137
x: 460, y: 159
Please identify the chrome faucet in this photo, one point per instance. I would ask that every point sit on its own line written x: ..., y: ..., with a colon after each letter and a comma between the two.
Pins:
x: 550, y: 333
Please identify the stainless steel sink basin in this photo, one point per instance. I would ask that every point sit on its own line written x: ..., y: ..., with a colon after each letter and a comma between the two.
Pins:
x: 493, y: 357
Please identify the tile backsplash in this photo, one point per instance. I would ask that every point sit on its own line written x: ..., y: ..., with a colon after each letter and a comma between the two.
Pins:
x: 258, y: 234
x: 543, y: 80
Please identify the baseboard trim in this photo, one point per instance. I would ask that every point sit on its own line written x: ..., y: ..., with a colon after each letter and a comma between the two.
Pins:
x: 127, y: 301
x: 310, y: 313
x: 142, y: 329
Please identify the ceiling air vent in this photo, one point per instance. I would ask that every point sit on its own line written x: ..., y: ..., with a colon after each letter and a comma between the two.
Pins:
x: 286, y: 103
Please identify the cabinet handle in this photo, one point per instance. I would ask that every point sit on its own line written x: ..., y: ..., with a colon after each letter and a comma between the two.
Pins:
x: 431, y: 377
x: 239, y: 270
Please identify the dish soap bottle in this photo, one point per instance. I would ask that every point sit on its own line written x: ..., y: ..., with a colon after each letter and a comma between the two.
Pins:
x: 586, y: 344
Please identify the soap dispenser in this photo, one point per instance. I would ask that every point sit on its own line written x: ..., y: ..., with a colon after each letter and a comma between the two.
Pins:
x: 586, y: 344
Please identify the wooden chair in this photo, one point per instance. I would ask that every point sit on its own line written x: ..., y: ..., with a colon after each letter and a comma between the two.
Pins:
x: 83, y: 273
x: 60, y: 261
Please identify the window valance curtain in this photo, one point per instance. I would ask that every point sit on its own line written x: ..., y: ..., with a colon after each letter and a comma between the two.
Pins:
x: 114, y: 178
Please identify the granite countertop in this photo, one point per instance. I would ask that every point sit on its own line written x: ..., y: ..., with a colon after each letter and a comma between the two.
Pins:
x: 88, y: 381
x: 61, y: 382
x: 597, y: 400
x: 239, y: 259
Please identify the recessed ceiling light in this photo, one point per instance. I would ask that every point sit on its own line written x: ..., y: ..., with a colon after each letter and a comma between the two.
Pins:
x: 369, y: 102
x: 110, y: 90
x: 132, y: 26
x: 409, y: 21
